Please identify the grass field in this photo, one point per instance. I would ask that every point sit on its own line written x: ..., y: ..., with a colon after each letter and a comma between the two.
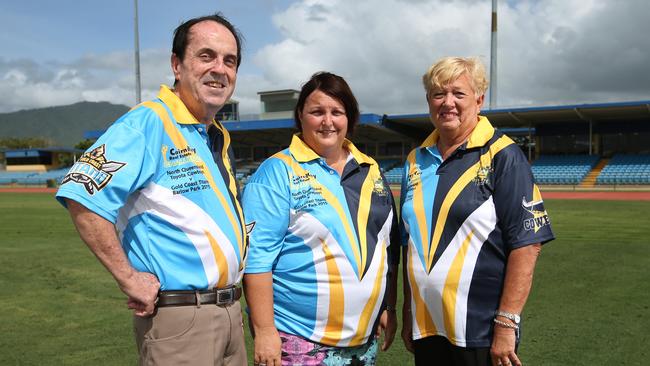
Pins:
x: 590, y: 303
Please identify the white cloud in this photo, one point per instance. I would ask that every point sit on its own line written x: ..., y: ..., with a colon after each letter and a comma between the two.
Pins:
x: 550, y: 52
x: 93, y: 77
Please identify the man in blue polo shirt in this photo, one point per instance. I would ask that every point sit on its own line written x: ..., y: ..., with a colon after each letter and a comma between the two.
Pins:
x: 156, y: 201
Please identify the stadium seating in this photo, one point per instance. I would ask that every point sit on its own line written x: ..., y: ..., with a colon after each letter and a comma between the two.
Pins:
x: 32, y: 178
x: 626, y: 169
x: 563, y: 169
x: 14, y: 177
x: 388, y: 164
x: 394, y: 176
x: 245, y: 170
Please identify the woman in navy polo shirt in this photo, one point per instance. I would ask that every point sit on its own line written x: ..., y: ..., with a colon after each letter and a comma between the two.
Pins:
x: 473, y: 224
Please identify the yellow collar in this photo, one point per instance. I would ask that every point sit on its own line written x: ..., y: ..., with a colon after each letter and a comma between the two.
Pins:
x: 482, y: 133
x: 180, y: 112
x: 303, y: 153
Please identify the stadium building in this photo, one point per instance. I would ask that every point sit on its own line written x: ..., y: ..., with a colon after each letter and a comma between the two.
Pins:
x: 587, y: 146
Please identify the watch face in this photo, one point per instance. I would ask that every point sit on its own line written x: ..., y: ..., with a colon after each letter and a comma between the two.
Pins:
x: 514, y: 317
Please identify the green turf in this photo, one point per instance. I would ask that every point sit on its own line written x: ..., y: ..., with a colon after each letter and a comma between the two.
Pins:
x: 589, y: 305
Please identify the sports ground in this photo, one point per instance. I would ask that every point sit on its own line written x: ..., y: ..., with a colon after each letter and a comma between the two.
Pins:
x: 590, y: 303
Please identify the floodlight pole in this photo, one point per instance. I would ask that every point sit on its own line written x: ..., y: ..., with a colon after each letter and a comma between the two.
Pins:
x: 138, y: 97
x: 493, y: 57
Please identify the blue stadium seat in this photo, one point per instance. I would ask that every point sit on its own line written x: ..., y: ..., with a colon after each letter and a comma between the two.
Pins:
x: 563, y: 169
x: 626, y: 169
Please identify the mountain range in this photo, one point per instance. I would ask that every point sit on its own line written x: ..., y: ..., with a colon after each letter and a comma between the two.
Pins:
x: 61, y: 126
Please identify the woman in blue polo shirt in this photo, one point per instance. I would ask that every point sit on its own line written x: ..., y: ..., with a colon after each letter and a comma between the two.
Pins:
x: 474, y: 222
x: 320, y: 278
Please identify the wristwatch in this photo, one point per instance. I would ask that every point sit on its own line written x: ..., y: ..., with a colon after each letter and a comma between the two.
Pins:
x: 514, y: 317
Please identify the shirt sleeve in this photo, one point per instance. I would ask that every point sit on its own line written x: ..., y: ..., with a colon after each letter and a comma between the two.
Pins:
x: 519, y: 206
x: 266, y: 206
x: 115, y: 166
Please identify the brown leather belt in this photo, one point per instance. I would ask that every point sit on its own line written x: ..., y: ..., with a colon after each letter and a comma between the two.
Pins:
x: 219, y: 297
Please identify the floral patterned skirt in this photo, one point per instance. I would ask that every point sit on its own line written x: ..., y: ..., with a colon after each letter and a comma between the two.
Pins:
x: 300, y: 351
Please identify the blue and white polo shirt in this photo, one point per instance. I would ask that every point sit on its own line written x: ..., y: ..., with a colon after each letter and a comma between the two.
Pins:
x: 325, y: 237
x: 168, y: 186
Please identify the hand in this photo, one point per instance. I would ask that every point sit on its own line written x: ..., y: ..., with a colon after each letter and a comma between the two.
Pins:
x: 503, y: 347
x: 268, y: 347
x: 142, y: 291
x: 387, y: 325
x: 407, y: 330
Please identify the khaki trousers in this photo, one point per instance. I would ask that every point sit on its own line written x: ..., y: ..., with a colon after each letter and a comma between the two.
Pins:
x: 192, y: 335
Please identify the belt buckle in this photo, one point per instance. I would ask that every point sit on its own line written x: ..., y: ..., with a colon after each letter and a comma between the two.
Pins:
x: 225, y: 296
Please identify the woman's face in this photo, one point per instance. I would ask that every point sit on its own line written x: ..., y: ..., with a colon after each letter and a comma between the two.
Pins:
x: 454, y: 108
x: 324, y: 123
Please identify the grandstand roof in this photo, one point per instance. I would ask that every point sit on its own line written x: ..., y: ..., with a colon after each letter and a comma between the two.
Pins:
x: 373, y: 127
x: 281, y: 91
x: 274, y: 132
x: 534, y: 116
x: 414, y: 127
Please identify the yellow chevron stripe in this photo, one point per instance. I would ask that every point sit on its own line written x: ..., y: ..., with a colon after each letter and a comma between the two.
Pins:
x: 332, y: 201
x: 537, y: 195
x: 365, y: 199
x: 221, y: 261
x: 232, y: 184
x: 422, y: 315
x: 418, y: 208
x: 180, y: 142
x: 336, y: 311
x: 451, y: 289
x: 461, y: 183
x: 366, y: 314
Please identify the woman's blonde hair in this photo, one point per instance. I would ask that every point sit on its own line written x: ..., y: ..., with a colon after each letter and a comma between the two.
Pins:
x: 448, y: 69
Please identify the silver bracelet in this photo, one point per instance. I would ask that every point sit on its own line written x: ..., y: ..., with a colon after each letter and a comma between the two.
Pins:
x: 507, y: 325
x: 516, y: 318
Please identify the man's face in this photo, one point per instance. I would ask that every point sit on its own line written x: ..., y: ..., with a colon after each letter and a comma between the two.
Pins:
x: 206, y: 77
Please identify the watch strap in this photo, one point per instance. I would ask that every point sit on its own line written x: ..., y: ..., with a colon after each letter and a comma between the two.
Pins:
x: 516, y: 318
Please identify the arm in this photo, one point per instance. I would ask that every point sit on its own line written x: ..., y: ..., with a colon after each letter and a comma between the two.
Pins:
x: 407, y: 320
x: 518, y: 281
x: 388, y: 320
x: 258, y: 288
x: 99, y: 234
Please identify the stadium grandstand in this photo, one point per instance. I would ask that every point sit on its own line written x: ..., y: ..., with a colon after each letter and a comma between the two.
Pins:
x: 35, y: 167
x: 587, y: 146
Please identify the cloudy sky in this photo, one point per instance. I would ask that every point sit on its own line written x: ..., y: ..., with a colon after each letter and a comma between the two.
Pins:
x: 550, y: 52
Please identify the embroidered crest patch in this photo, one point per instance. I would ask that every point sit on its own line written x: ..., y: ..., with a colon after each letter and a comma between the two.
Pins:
x: 93, y: 170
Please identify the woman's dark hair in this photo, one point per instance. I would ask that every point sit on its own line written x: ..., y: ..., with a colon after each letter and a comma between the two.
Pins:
x: 179, y: 45
x: 334, y: 86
